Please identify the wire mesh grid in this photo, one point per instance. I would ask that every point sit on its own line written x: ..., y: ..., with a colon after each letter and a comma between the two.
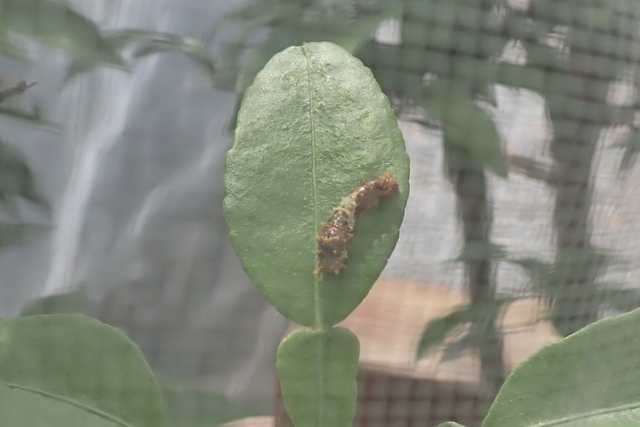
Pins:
x: 544, y: 90
x: 553, y: 228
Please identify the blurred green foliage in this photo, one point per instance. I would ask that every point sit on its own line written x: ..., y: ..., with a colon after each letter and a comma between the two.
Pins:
x: 57, y: 25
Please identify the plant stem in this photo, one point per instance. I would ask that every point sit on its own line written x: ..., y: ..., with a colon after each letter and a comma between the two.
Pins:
x: 475, y: 212
x: 573, y: 148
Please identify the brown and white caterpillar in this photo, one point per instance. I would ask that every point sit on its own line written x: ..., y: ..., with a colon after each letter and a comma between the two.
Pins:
x: 335, y: 235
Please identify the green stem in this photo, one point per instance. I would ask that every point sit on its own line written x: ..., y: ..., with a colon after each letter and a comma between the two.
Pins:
x: 475, y: 213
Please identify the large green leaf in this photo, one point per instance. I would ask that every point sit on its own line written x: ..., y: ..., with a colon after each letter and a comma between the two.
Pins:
x: 80, y: 360
x: 588, y: 379
x: 311, y: 128
x: 317, y: 371
x: 57, y: 25
x: 20, y: 407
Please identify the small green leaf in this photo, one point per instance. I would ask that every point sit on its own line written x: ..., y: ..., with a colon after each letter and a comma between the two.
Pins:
x: 191, y: 47
x: 78, y: 67
x: 57, y: 25
x: 537, y: 270
x: 70, y: 302
x: 480, y: 251
x: 12, y: 234
x: 532, y: 168
x: 35, y: 117
x: 555, y: 279
x: 255, y: 14
x: 588, y: 379
x: 16, y: 177
x: 312, y: 127
x: 481, y: 317
x: 147, y: 43
x: 439, y: 329
x: 20, y: 407
x: 470, y: 133
x: 83, y: 361
x: 317, y: 371
x: 465, y: 343
x: 631, y: 146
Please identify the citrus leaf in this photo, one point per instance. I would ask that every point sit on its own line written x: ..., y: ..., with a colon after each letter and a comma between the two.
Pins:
x: 631, y: 146
x: 437, y: 330
x: 317, y: 371
x: 254, y: 15
x: 554, y: 279
x: 480, y: 251
x: 24, y: 407
x: 34, y: 117
x: 189, y: 46
x: 463, y: 344
x: 75, y: 301
x: 147, y: 43
x: 10, y: 48
x: 469, y: 126
x: 16, y: 177
x: 11, y: 234
x: 481, y: 316
x: 57, y: 25
x: 532, y: 168
x: 483, y: 331
x: 311, y: 128
x: 588, y: 379
x: 538, y: 271
x: 83, y: 361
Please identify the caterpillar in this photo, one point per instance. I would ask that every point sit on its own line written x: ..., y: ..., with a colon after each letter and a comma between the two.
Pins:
x: 336, y: 234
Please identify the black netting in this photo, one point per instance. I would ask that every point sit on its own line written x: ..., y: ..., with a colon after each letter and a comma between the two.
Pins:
x: 520, y: 119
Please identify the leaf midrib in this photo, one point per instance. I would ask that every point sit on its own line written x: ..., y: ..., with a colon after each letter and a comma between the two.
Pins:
x: 316, y: 279
x: 70, y: 401
x: 590, y: 414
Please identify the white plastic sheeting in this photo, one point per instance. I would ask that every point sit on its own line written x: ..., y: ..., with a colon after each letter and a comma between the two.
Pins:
x: 135, y: 181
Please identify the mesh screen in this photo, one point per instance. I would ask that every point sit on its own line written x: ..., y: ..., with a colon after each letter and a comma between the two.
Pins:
x: 548, y: 89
